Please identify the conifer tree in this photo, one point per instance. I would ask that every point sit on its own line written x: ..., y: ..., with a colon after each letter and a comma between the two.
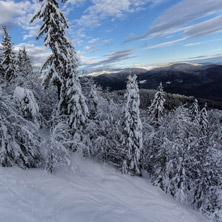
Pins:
x: 26, y: 63
x: 61, y: 71
x: 156, y: 109
x: 132, y: 140
x: 8, y: 57
x: 204, y: 119
x: 53, y: 27
x: 77, y: 109
x: 62, y: 64
x: 194, y: 111
x: 24, y: 69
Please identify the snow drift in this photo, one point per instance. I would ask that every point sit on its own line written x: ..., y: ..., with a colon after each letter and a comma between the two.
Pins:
x: 89, y: 192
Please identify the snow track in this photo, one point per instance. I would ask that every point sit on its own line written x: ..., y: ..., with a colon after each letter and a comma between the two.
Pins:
x: 89, y: 192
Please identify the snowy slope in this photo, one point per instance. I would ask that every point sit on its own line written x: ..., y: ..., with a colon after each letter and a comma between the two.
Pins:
x: 90, y: 192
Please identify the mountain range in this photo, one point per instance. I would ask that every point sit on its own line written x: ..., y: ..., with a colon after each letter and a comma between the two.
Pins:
x: 201, y: 81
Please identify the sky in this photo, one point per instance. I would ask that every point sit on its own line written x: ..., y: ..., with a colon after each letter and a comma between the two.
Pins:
x: 116, y: 34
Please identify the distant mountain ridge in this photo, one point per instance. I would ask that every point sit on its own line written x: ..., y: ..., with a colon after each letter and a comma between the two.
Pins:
x: 203, y: 81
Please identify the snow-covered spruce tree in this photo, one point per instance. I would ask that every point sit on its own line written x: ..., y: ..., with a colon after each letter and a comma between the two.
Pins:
x: 19, y: 137
x: 156, y: 109
x: 204, y: 119
x: 61, y: 65
x: 54, y: 25
x: 72, y: 101
x: 194, y: 112
x: 9, y: 61
x: 24, y: 70
x: 132, y: 140
x: 27, y: 65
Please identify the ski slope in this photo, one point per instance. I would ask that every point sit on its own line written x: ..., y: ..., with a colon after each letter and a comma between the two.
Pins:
x: 89, y: 192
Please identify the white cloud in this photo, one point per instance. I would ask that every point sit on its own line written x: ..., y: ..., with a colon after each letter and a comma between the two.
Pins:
x: 93, y: 40
x: 204, y: 28
x: 202, y: 43
x: 165, y: 44
x: 19, y: 13
x: 38, y: 54
x: 71, y: 4
x: 207, y: 27
x: 92, y: 48
x: 113, y: 9
x: 111, y: 58
x: 97, y: 46
x: 183, y: 14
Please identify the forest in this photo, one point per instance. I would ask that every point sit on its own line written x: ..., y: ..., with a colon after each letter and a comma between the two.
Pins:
x: 45, y: 116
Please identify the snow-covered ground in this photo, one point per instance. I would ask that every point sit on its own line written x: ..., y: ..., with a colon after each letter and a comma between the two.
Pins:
x: 90, y: 192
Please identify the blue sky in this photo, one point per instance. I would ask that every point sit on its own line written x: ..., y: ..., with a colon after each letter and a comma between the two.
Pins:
x: 113, y: 34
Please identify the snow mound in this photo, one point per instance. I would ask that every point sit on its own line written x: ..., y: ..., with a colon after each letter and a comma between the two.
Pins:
x: 89, y: 192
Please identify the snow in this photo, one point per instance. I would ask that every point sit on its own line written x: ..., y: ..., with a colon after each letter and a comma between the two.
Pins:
x: 21, y: 94
x: 89, y: 192
x: 143, y: 81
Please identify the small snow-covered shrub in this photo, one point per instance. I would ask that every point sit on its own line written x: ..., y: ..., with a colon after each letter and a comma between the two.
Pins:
x: 27, y: 104
x: 59, y: 144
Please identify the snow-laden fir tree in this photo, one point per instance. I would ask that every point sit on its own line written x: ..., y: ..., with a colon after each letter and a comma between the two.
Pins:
x: 24, y: 70
x: 62, y: 64
x: 156, y: 109
x: 9, y: 61
x: 27, y: 65
x: 19, y: 138
x: 132, y: 140
x: 77, y: 109
x: 204, y: 119
x: 53, y: 27
x: 194, y: 111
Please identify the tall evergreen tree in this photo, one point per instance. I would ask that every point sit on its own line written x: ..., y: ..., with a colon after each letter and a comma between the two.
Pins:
x: 54, y: 25
x: 24, y: 69
x: 194, y: 111
x: 62, y: 68
x: 8, y: 56
x: 132, y: 140
x: 156, y: 109
x: 26, y: 63
x: 204, y: 119
x: 62, y: 64
x: 77, y: 109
